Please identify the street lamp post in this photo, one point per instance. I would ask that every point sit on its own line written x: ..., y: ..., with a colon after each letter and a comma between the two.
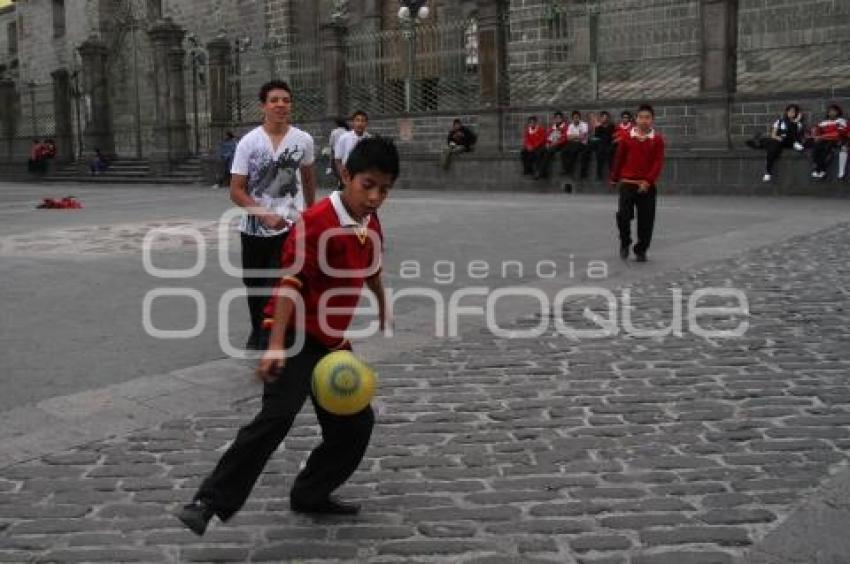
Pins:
x: 411, y: 13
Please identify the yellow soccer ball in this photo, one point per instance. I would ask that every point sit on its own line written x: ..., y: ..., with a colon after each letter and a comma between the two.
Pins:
x: 342, y: 383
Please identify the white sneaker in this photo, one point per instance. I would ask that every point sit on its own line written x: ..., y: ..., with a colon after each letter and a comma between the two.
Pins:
x: 798, y: 146
x: 767, y: 178
x: 815, y: 174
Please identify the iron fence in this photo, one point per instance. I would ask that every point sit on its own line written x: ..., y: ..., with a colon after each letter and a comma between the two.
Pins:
x: 605, y: 49
x: 418, y: 67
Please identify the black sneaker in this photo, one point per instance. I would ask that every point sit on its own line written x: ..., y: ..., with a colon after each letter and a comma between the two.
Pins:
x: 330, y: 506
x: 624, y: 252
x: 196, y: 516
x: 640, y: 257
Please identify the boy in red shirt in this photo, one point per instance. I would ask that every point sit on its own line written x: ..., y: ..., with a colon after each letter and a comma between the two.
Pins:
x: 335, y: 247
x: 556, y: 142
x: 637, y: 166
x: 533, y: 145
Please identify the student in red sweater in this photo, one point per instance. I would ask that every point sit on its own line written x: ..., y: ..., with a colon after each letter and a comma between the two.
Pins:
x: 334, y: 250
x: 533, y: 145
x: 556, y: 142
x: 828, y: 135
x: 637, y: 166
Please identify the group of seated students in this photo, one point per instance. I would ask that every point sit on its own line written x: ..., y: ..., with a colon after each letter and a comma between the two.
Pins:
x: 575, y: 141
x: 41, y: 152
x: 789, y: 131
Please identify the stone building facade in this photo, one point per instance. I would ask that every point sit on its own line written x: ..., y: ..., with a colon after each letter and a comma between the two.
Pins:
x: 162, y: 79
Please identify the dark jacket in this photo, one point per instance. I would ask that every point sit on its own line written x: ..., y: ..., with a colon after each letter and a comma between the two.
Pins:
x: 464, y: 137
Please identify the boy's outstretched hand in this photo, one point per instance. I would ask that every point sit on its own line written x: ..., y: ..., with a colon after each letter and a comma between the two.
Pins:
x: 270, y: 365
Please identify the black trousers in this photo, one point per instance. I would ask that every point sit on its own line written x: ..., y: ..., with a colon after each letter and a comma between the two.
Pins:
x: 602, y: 152
x: 344, y: 442
x: 631, y: 200
x: 259, y: 253
x: 774, y: 148
x: 546, y: 160
x: 530, y: 159
x: 822, y: 154
x: 576, y: 151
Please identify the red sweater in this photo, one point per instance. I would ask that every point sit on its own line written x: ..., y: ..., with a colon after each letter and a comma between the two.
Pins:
x: 344, y: 252
x: 622, y: 131
x: 557, y: 135
x: 639, y: 158
x: 534, y: 138
x: 831, y: 129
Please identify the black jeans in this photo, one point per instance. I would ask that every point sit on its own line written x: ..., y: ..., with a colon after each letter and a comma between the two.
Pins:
x: 546, y: 160
x: 576, y: 151
x: 260, y: 253
x: 822, y: 154
x: 344, y: 442
x: 631, y: 200
x: 774, y: 148
x: 602, y: 151
x: 530, y: 159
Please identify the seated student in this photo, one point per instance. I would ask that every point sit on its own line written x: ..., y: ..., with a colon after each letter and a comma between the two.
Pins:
x: 98, y: 164
x: 36, y: 156
x: 556, y: 141
x: 787, y: 132
x: 828, y: 134
x: 578, y: 134
x: 460, y: 139
x: 533, y: 145
x: 601, y: 140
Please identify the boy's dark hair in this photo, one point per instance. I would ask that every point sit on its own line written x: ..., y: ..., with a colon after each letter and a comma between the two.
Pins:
x: 230, y: 135
x: 360, y: 113
x: 839, y: 112
x: 604, y: 113
x: 794, y: 107
x: 625, y: 113
x: 340, y: 122
x: 374, y: 153
x: 532, y: 118
x: 273, y: 85
x: 575, y: 113
x: 457, y: 121
x: 646, y: 108
x: 559, y: 114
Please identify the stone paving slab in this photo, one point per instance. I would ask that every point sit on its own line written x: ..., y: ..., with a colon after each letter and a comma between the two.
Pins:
x: 623, y: 450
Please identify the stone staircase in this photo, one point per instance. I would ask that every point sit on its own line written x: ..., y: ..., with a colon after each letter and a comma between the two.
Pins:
x: 127, y: 170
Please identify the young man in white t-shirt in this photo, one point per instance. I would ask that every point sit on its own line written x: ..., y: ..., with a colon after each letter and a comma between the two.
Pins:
x: 272, y: 177
x: 348, y: 140
x: 578, y: 133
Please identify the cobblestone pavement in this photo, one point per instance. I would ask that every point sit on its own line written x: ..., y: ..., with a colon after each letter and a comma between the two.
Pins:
x: 676, y: 450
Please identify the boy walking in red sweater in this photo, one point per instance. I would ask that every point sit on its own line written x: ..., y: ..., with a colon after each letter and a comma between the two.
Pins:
x: 637, y: 166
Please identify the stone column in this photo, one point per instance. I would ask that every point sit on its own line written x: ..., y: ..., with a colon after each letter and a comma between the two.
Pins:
x: 64, y: 130
x: 333, y: 67
x: 98, y: 128
x: 219, y: 86
x: 719, y: 20
x: 492, y: 72
x: 171, y: 139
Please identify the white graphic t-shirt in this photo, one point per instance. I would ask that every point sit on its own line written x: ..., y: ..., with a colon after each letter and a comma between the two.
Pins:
x: 346, y: 143
x: 274, y: 178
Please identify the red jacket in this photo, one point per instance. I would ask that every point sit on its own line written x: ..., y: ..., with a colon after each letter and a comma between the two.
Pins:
x: 831, y: 129
x: 622, y: 131
x: 639, y: 158
x: 534, y: 139
x: 557, y: 135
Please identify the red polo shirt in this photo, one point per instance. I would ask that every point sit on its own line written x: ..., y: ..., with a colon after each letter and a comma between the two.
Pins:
x: 349, y: 250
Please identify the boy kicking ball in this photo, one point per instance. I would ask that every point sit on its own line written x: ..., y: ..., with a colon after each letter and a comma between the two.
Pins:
x: 367, y: 177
